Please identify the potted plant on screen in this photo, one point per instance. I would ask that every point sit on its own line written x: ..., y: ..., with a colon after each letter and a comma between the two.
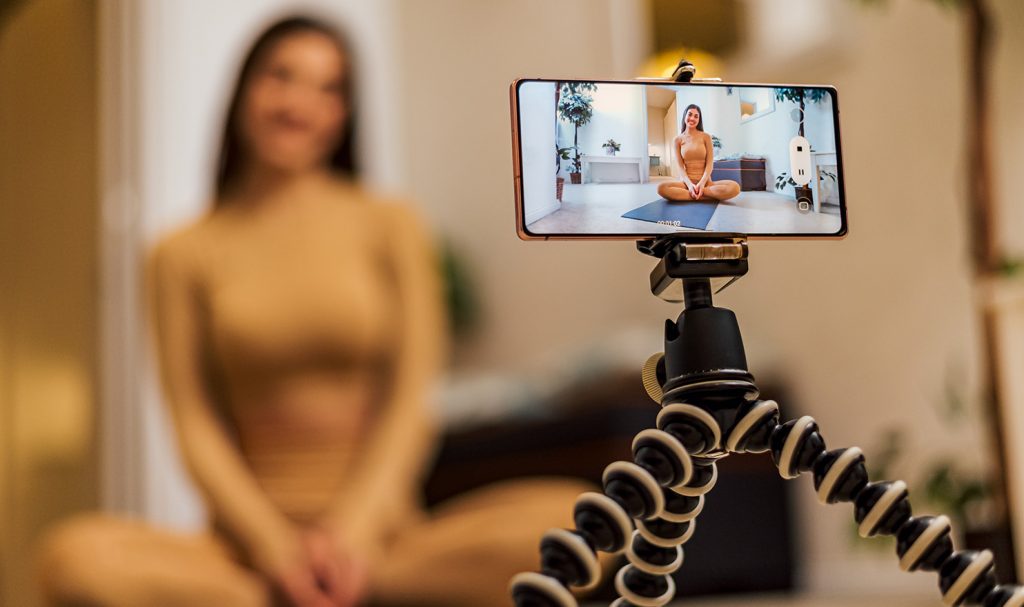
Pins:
x: 716, y: 144
x: 611, y: 146
x: 801, y: 97
x: 576, y: 106
x: 560, y: 155
x: 782, y: 180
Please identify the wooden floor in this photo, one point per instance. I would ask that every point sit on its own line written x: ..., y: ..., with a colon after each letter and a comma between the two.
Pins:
x: 598, y: 208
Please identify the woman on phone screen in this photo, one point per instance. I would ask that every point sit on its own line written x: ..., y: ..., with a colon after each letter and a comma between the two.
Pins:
x: 694, y: 155
x: 300, y: 327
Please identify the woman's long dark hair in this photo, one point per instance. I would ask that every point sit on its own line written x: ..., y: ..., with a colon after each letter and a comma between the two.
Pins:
x: 342, y: 159
x: 700, y: 117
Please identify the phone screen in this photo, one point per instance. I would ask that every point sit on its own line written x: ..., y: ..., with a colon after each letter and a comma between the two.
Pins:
x: 634, y: 159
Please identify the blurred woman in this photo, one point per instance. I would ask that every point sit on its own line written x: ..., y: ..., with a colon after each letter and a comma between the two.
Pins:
x: 694, y: 155
x: 300, y: 327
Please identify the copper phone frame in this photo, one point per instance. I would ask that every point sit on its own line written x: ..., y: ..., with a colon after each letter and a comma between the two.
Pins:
x: 517, y: 177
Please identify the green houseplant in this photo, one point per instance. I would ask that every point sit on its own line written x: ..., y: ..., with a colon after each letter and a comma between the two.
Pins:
x: 576, y: 106
x: 801, y: 97
x: 716, y: 144
x: 560, y: 155
x: 611, y: 146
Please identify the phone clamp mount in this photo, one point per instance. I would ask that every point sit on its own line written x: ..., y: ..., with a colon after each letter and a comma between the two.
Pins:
x: 710, y: 409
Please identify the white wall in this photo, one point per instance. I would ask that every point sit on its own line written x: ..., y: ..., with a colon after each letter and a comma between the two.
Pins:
x: 619, y: 114
x: 768, y: 135
x: 656, y: 128
x: 671, y: 122
x: 537, y: 131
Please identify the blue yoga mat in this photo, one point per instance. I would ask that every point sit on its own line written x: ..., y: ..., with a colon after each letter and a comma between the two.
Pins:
x: 688, y: 214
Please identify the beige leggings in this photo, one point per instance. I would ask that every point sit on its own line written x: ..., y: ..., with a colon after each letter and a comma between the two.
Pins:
x: 723, y: 189
x: 463, y: 554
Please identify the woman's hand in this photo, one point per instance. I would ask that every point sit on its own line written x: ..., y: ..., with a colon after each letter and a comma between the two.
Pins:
x: 700, y: 188
x: 341, y: 572
x: 692, y: 188
x: 284, y: 562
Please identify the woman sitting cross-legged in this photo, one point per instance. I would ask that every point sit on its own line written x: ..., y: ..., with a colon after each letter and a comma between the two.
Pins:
x: 693, y: 154
x: 300, y: 327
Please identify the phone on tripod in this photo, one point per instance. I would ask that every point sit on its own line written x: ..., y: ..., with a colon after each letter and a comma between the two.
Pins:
x: 635, y: 159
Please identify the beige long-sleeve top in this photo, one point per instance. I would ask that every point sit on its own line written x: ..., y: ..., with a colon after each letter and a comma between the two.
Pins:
x: 298, y: 339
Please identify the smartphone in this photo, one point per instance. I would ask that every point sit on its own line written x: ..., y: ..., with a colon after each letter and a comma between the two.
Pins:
x: 636, y: 159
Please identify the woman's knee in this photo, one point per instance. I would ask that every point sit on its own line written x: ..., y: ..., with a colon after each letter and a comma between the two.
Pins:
x: 672, y: 190
x: 100, y: 560
x: 70, y: 560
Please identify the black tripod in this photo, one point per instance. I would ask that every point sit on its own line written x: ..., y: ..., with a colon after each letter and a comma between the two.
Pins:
x: 710, y: 409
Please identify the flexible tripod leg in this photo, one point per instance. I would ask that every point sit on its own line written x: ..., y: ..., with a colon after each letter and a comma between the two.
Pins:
x: 662, y: 490
x: 604, y: 521
x: 966, y: 577
x: 656, y: 549
x: 750, y: 431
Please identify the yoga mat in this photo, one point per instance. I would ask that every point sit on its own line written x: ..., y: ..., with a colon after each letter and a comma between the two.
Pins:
x: 688, y: 214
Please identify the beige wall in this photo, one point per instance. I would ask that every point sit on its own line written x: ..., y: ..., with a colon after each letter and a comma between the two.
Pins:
x: 459, y: 58
x: 48, y: 279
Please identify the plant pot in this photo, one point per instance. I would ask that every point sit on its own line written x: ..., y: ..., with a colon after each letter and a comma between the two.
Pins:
x: 804, y: 198
x: 576, y: 178
x: 559, y: 186
x: 609, y: 152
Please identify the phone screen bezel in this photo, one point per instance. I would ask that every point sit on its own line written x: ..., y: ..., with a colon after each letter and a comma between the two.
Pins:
x: 517, y: 151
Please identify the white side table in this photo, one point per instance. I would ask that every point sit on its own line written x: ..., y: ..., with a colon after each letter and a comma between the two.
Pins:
x: 590, y: 160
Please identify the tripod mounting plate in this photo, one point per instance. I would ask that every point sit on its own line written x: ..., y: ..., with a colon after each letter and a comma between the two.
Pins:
x: 722, y: 259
